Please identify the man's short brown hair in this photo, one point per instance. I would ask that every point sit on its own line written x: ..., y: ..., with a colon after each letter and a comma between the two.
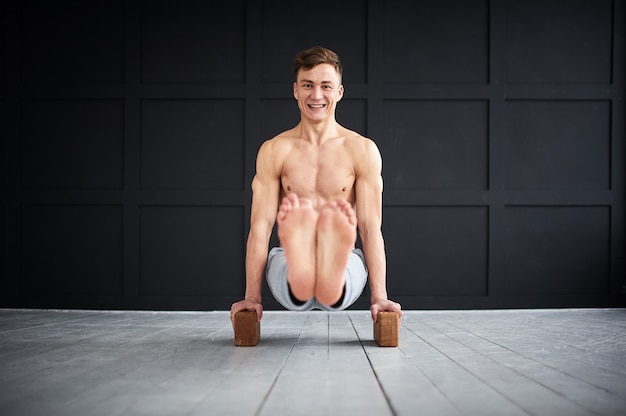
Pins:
x: 314, y: 56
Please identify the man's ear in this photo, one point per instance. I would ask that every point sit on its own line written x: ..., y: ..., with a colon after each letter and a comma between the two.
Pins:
x: 295, y: 90
x: 340, y: 93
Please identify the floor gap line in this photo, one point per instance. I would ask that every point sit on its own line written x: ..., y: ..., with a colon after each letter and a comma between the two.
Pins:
x: 380, y: 384
x: 269, y: 391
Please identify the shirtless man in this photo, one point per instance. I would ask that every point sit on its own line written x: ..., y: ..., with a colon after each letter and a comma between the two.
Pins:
x: 319, y: 181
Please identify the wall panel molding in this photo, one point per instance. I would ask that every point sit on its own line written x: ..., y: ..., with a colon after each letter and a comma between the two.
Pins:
x: 130, y: 130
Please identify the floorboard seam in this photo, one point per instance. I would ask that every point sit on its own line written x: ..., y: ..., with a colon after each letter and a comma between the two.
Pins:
x: 380, y: 384
x: 280, y: 370
x: 466, y: 370
x: 505, y: 366
x: 556, y: 369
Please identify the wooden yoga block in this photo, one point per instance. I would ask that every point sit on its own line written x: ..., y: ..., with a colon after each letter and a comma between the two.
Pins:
x: 386, y: 329
x: 247, y: 329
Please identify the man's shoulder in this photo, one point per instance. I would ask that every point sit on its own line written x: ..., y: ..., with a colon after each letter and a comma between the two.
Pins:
x: 282, y: 139
x: 364, y: 151
x: 357, y: 140
x: 277, y: 147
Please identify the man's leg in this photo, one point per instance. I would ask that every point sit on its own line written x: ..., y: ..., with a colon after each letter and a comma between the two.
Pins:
x: 336, y: 234
x: 297, y: 222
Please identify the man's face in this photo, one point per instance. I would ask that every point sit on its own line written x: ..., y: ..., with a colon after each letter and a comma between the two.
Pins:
x: 318, y: 90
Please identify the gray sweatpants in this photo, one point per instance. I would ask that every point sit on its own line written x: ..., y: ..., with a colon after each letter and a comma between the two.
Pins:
x: 276, y: 275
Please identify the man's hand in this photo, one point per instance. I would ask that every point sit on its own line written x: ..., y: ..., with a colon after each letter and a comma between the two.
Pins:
x: 385, y: 305
x: 247, y: 304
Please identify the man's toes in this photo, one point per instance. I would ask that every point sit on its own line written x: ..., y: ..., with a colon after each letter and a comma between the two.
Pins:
x: 293, y: 200
x: 305, y: 203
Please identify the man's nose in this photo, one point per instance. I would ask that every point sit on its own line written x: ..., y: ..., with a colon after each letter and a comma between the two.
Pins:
x: 317, y: 93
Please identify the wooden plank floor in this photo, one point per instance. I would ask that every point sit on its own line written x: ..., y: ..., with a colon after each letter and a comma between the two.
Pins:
x: 507, y: 362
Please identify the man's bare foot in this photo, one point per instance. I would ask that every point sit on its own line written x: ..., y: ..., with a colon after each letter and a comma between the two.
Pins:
x: 297, y: 221
x: 336, y: 234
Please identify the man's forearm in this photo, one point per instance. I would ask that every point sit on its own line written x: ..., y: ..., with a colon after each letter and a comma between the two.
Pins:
x: 378, y: 281
x: 256, y: 258
x: 253, y: 289
x: 374, y: 250
x: 378, y: 287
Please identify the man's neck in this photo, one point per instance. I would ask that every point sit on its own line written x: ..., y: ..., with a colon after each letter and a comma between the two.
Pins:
x: 318, y: 132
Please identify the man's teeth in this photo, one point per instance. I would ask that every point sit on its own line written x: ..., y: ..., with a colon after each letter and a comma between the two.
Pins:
x: 316, y: 105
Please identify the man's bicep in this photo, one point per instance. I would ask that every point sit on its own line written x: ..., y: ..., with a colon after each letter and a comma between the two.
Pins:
x: 265, y: 185
x: 265, y: 193
x: 369, y: 201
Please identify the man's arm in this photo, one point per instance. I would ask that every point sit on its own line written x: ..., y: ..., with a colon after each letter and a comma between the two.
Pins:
x: 369, y: 196
x: 265, y: 195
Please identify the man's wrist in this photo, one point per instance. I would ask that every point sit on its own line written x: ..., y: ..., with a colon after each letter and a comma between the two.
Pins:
x: 375, y: 298
x: 256, y: 299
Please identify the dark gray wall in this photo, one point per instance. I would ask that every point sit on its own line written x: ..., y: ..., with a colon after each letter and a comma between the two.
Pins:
x: 130, y: 128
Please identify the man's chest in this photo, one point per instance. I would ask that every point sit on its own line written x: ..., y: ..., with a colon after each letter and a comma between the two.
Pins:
x: 318, y: 175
